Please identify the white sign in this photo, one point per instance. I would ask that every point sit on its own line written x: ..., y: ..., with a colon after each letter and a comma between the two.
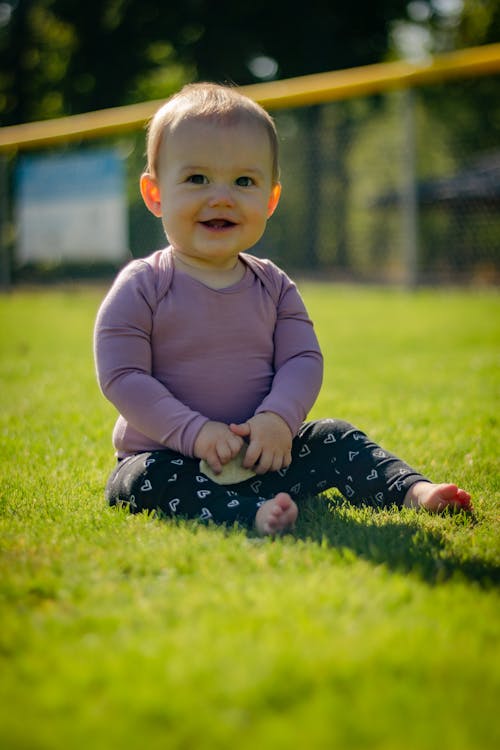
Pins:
x: 71, y: 207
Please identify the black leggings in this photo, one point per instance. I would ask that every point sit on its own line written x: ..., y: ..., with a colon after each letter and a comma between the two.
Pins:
x: 328, y: 453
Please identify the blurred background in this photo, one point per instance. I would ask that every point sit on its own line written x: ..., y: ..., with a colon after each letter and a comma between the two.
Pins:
x: 398, y: 185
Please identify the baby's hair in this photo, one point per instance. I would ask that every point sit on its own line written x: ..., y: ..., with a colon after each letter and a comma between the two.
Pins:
x: 214, y: 103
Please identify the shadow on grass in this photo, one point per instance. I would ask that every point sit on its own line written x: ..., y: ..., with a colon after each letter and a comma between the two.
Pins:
x: 404, y: 545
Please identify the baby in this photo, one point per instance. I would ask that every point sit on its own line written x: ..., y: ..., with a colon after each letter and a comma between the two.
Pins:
x: 208, y: 352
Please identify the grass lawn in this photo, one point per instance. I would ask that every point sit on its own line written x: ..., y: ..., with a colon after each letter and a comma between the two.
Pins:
x: 363, y: 629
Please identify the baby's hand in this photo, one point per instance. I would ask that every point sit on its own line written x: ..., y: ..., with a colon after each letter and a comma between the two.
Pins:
x: 217, y: 444
x: 270, y: 442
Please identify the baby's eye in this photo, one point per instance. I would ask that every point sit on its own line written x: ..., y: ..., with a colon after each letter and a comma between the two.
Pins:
x: 244, y: 181
x: 197, y: 179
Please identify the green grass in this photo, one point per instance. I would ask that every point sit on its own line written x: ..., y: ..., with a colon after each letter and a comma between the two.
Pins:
x: 363, y: 629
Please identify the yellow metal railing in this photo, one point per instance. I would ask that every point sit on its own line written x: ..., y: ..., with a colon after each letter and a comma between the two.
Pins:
x: 292, y: 92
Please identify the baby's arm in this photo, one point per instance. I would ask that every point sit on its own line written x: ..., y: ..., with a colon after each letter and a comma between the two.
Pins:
x: 297, y: 361
x: 217, y: 444
x: 124, y: 361
x: 270, y: 442
x: 298, y: 366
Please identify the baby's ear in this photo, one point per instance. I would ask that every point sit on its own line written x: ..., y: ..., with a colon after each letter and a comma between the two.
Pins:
x: 273, y: 199
x: 150, y: 192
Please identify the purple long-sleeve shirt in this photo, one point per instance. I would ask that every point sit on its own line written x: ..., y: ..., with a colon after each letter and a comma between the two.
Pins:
x: 172, y: 360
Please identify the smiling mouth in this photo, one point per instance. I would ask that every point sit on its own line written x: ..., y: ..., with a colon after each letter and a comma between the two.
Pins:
x: 218, y: 224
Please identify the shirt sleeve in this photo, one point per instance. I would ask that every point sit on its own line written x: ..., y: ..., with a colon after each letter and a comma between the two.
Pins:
x: 123, y: 357
x: 298, y: 362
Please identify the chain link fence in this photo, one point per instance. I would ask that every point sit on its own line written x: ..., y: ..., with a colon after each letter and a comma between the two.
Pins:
x: 390, y: 188
x: 401, y: 187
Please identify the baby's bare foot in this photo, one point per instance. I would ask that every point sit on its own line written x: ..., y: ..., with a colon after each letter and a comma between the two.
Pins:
x: 277, y: 514
x: 437, y: 497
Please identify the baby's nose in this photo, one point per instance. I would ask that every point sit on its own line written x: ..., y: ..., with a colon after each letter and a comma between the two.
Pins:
x: 221, y: 195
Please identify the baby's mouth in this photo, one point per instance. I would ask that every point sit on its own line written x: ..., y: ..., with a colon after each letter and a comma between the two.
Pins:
x: 218, y: 223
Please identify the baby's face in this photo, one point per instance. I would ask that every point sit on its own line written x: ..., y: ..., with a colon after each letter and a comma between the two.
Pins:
x: 216, y: 189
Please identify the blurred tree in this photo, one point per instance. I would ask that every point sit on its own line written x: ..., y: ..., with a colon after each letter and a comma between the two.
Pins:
x: 443, y: 25
x: 459, y: 120
x: 479, y: 23
x: 308, y: 38
x: 35, y: 47
x: 64, y: 56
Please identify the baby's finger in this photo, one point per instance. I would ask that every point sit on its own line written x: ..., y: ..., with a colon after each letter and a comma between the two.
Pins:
x: 252, y: 455
x: 267, y: 462
x: 235, y: 445
x: 224, y: 451
x: 279, y: 462
x: 261, y: 468
x: 240, y: 429
x: 213, y: 461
